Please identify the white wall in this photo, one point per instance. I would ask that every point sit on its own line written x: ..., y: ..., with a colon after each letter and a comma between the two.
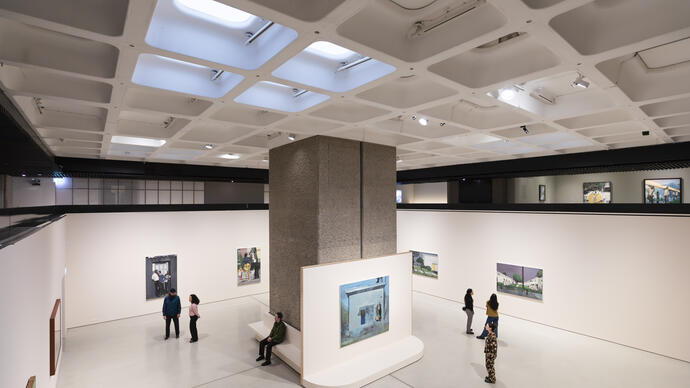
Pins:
x: 626, y: 187
x: 106, y: 259
x: 24, y: 194
x: 616, y: 277
x: 321, y: 308
x: 31, y: 273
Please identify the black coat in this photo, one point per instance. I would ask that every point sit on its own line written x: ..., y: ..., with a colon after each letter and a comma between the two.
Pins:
x: 469, y: 302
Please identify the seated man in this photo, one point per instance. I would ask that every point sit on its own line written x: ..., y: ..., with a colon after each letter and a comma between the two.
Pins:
x: 276, y: 336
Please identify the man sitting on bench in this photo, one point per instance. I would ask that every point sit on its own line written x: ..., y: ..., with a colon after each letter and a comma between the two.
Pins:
x: 276, y: 336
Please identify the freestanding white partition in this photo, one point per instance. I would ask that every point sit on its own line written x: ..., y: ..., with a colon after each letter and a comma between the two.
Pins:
x: 324, y: 362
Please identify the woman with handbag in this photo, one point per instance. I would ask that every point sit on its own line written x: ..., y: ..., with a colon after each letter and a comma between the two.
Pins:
x: 469, y: 310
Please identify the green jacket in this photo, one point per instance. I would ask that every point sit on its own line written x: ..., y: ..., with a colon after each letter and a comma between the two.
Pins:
x: 278, y: 332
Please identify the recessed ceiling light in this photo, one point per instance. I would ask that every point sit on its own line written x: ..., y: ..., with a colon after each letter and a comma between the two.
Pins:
x: 230, y: 156
x: 137, y: 141
x: 506, y: 94
x: 423, y: 122
x: 208, y: 146
x: 329, y: 50
x: 291, y: 137
x: 441, y: 124
x: 218, y: 10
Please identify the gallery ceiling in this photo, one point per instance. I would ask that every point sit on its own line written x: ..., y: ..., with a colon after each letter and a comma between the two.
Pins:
x: 445, y: 81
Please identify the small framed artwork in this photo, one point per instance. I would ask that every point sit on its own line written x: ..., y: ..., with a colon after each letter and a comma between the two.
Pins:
x: 663, y: 191
x: 542, y: 193
x: 596, y: 192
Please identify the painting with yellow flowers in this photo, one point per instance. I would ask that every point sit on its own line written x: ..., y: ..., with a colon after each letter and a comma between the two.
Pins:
x: 248, y: 265
x: 596, y: 192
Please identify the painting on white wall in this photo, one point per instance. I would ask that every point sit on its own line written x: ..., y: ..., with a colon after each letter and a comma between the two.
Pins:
x: 248, y: 265
x: 662, y: 191
x: 520, y: 280
x: 161, y: 275
x: 425, y: 264
x: 363, y: 310
x: 596, y: 192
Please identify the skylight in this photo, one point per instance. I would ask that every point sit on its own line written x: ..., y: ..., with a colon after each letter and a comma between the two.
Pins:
x: 216, y: 10
x: 137, y: 141
x: 329, y: 50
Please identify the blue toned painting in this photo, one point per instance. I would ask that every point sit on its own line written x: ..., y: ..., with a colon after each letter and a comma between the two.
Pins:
x: 363, y: 310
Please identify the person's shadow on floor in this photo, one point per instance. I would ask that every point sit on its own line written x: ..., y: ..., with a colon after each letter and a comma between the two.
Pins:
x: 480, y: 369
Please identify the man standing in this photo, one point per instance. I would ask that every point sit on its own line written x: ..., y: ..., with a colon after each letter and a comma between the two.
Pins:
x: 156, y: 283
x: 171, y: 312
x: 276, y: 336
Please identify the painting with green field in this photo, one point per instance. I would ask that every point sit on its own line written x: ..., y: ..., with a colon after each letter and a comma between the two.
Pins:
x: 520, y: 280
x: 425, y: 264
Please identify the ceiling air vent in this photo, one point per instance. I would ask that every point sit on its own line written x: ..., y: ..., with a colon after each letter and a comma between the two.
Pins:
x: 543, y: 96
x: 500, y: 40
x: 422, y: 27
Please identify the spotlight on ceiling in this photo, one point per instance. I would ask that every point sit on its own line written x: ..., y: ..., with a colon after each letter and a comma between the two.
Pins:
x: 230, y: 156
x: 506, y: 94
x: 423, y: 122
x: 398, y: 160
x: 291, y: 136
x: 414, y: 117
x: 441, y: 124
x: 580, y: 82
x: 524, y: 129
x: 208, y: 146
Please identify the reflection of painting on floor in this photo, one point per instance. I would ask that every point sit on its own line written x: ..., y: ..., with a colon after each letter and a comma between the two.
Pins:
x: 363, y: 310
x: 662, y: 190
x: 596, y: 192
x: 519, y: 280
x: 425, y: 264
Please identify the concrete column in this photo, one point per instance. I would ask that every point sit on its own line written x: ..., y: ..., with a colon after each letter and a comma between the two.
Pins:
x: 331, y: 200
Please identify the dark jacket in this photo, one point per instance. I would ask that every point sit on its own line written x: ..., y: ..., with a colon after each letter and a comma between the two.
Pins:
x: 278, y: 332
x: 171, y: 307
x: 469, y: 302
x: 491, y: 345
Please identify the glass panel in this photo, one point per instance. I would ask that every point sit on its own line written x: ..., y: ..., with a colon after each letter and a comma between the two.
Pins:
x: 164, y: 197
x: 124, y: 197
x: 95, y: 183
x: 138, y: 197
x: 163, y: 185
x: 80, y: 196
x: 199, y: 197
x: 80, y: 183
x: 187, y: 197
x: 139, y: 184
x: 95, y: 197
x: 151, y: 185
x: 198, y: 185
x: 176, y: 197
x: 110, y: 195
x: 63, y: 196
x: 176, y: 185
x: 152, y: 197
x: 187, y: 185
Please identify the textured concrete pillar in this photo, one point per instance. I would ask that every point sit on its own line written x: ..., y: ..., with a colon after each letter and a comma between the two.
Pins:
x: 330, y: 200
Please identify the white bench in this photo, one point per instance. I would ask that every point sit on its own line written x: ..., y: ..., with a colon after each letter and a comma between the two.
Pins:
x: 368, y: 367
x: 290, y: 350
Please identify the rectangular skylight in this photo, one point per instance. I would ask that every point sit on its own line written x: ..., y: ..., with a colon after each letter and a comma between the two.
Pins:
x: 138, y: 141
x: 215, y: 10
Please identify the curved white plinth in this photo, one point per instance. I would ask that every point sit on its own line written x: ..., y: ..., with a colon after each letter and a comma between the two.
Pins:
x: 368, y: 367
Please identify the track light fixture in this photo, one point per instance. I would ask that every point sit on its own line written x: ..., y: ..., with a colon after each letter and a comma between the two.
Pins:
x: 414, y: 117
x: 441, y: 124
x: 291, y: 136
x: 423, y: 122
x: 208, y: 146
x: 252, y: 36
x: 580, y: 82
x: 422, y: 27
x: 524, y: 129
x: 215, y: 74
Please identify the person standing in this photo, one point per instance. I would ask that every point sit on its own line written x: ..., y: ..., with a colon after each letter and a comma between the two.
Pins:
x: 156, y: 283
x: 491, y: 315
x: 276, y: 336
x: 490, y: 352
x: 469, y: 310
x: 171, y: 312
x: 193, y: 317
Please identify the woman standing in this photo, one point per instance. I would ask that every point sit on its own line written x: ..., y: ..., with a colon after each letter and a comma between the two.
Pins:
x: 490, y: 351
x: 193, y: 317
x: 469, y: 310
x: 491, y: 315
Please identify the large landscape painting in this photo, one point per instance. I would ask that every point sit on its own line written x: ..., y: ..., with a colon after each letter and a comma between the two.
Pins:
x: 363, y: 310
x: 519, y: 280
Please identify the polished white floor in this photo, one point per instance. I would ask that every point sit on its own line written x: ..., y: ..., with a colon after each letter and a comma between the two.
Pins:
x: 132, y: 353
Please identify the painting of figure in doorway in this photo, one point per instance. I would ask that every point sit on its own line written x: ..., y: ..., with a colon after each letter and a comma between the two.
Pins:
x: 161, y: 275
x: 363, y: 310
